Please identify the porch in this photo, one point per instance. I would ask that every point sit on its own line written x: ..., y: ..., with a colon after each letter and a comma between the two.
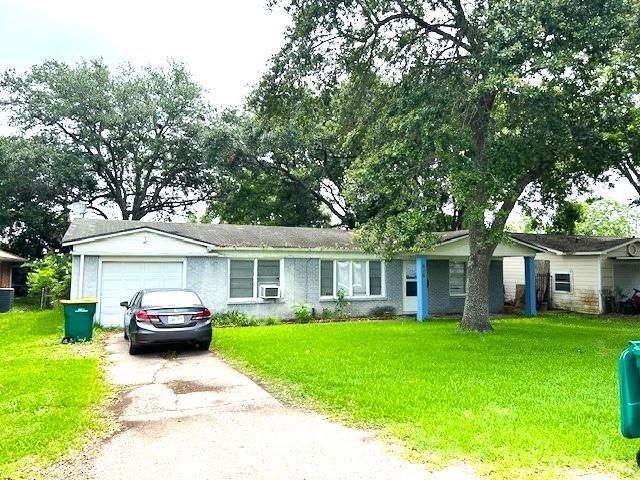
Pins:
x: 435, y: 282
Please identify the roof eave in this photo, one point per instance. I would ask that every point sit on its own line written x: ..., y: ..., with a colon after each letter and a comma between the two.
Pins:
x: 93, y: 238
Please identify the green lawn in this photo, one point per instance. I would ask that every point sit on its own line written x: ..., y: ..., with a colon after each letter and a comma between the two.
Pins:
x: 48, y: 391
x: 536, y: 398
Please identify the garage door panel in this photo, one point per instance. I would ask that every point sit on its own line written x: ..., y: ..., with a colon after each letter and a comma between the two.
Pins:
x: 120, y: 280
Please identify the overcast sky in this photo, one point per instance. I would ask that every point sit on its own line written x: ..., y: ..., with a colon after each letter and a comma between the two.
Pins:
x: 225, y: 43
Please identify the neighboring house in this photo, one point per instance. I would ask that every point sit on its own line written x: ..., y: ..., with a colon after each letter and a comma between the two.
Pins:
x: 584, y: 271
x: 264, y: 270
x: 7, y: 262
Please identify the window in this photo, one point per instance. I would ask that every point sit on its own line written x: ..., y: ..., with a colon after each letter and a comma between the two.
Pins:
x: 268, y: 272
x: 562, y: 282
x: 457, y: 278
x: 357, y: 278
x: 375, y: 278
x: 241, y: 279
x: 326, y: 278
x: 343, y: 276
x: 410, y: 280
x: 246, y: 277
x: 170, y: 298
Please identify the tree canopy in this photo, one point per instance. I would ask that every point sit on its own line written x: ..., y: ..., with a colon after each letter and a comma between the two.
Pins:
x: 37, y: 183
x: 599, y: 217
x: 136, y: 131
x: 483, y: 101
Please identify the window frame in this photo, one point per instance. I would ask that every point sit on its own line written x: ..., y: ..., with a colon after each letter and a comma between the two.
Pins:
x: 256, y: 294
x: 570, y: 283
x: 349, y: 295
x: 464, y: 263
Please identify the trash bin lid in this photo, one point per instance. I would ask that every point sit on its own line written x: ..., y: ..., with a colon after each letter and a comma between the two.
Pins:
x: 80, y: 300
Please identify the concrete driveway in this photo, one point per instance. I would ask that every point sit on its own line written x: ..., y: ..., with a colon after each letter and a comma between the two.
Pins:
x: 190, y: 415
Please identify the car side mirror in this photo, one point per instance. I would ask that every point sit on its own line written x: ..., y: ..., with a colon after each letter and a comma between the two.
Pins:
x: 124, y: 304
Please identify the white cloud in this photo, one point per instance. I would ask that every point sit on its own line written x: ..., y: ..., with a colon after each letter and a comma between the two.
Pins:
x: 225, y: 44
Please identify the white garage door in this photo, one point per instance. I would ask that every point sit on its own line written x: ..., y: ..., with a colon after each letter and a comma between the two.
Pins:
x: 120, y: 280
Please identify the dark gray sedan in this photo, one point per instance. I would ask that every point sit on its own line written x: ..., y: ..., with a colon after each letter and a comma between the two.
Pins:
x: 166, y: 316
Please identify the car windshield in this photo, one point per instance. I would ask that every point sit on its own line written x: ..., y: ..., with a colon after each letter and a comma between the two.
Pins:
x: 171, y: 298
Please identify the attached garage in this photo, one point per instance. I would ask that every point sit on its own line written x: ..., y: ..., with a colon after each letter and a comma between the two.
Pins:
x: 113, y: 267
x: 119, y: 280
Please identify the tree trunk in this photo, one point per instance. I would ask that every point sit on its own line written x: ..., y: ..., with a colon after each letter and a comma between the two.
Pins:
x: 476, y: 305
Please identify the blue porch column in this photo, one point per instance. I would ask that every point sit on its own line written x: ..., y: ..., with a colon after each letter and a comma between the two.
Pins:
x: 530, y: 286
x: 423, y: 289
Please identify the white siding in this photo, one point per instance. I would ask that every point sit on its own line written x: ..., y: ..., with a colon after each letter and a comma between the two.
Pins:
x: 513, y: 274
x: 140, y: 243
x: 460, y: 248
x: 608, y: 284
x: 585, y: 280
x: 624, y: 251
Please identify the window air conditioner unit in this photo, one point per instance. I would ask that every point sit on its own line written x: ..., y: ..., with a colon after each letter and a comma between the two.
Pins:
x: 269, y: 291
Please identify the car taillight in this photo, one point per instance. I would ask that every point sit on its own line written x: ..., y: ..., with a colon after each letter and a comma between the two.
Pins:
x: 202, y: 315
x: 144, y: 316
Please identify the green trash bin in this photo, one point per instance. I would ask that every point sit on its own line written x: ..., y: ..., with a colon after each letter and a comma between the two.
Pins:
x: 629, y: 380
x: 78, y: 319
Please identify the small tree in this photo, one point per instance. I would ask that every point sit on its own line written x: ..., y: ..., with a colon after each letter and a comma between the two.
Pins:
x: 51, y: 273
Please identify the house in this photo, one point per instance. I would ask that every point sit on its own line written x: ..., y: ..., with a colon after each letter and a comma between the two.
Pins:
x: 585, y: 272
x: 264, y: 270
x: 7, y: 262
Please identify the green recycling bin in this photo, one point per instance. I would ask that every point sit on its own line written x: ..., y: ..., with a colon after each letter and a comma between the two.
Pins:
x: 78, y: 319
x: 629, y: 380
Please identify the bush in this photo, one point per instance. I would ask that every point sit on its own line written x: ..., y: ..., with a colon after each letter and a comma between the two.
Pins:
x: 384, y: 311
x: 271, y: 320
x: 342, y: 306
x: 240, y: 319
x: 53, y: 273
x: 302, y: 313
x: 328, y: 314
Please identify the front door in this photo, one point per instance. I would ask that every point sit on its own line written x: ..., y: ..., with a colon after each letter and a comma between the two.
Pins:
x: 410, y: 290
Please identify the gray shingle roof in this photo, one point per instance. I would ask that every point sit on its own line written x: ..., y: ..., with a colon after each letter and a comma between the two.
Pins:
x: 225, y: 235
x: 10, y: 257
x: 571, y: 243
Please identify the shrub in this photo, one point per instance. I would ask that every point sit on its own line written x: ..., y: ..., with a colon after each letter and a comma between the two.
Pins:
x: 342, y: 305
x: 53, y: 273
x: 271, y: 320
x: 231, y: 318
x: 302, y: 313
x: 384, y: 311
x: 328, y: 314
x: 234, y: 318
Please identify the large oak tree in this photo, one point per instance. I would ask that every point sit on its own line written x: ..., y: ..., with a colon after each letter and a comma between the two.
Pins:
x: 490, y: 90
x: 136, y: 130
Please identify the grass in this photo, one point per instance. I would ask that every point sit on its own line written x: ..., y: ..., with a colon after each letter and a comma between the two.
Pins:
x: 537, y: 398
x: 48, y: 391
